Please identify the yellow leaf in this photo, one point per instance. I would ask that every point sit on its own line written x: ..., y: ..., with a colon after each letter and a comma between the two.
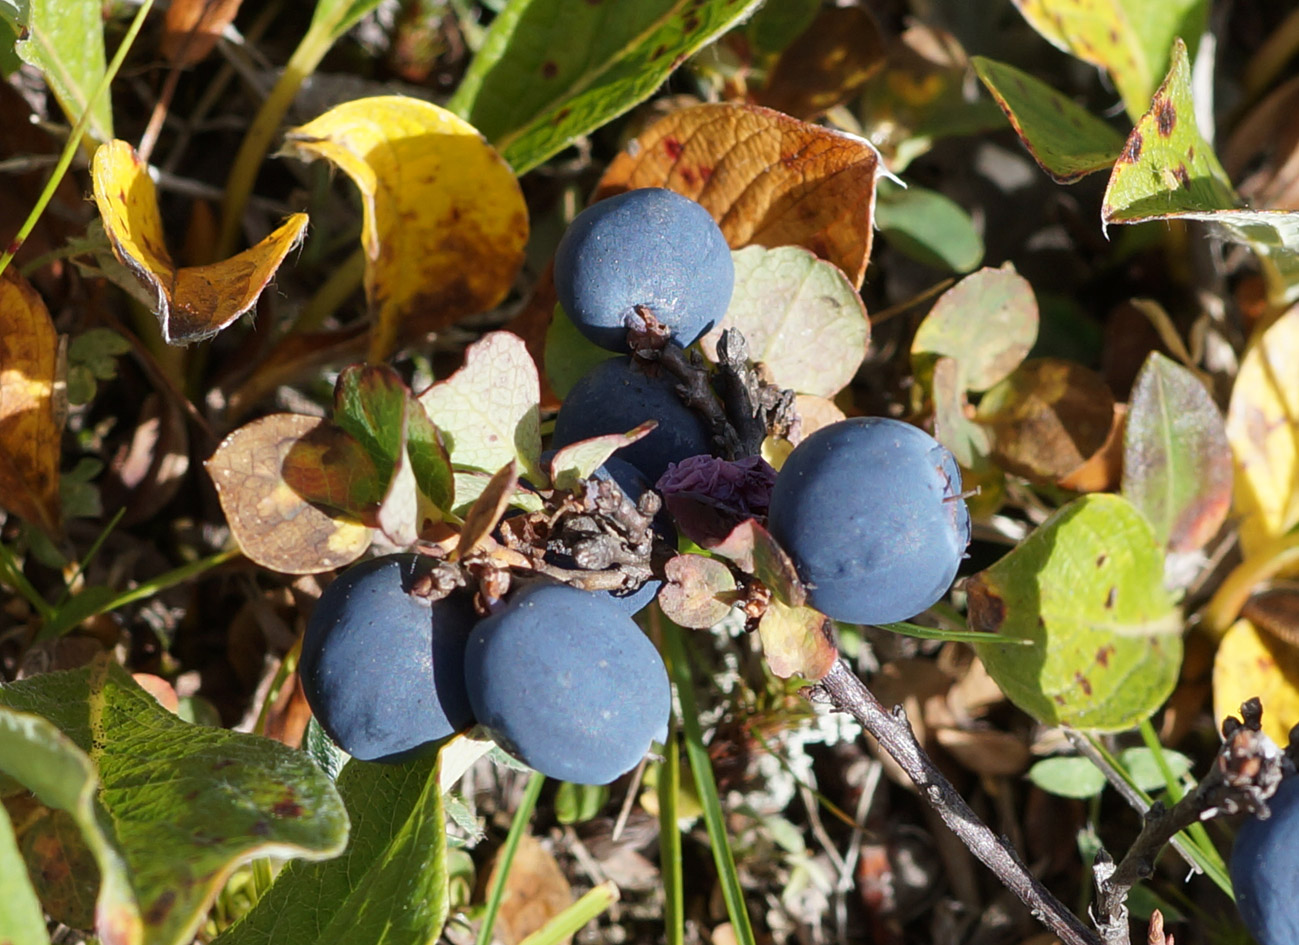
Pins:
x: 1251, y: 663
x: 444, y: 219
x: 30, y: 414
x: 1263, y: 429
x: 194, y: 302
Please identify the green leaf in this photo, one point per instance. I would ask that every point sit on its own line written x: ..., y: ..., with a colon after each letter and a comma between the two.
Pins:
x: 428, y: 457
x: 928, y: 227
x: 1065, y: 139
x: 40, y: 758
x: 1068, y: 777
x: 390, y: 886
x: 185, y: 804
x: 64, y: 39
x: 332, y: 18
x: 569, y: 353
x: 551, y: 70
x: 1177, y: 463
x: 1144, y: 769
x: 1168, y: 171
x: 986, y: 323
x: 578, y: 803
x: 775, y: 25
x: 801, y: 317
x: 489, y: 410
x: 370, y: 406
x: 1087, y: 589
x: 1128, y: 38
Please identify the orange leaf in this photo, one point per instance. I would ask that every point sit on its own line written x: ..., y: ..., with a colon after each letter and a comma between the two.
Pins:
x: 192, y: 28
x: 766, y: 178
x: 30, y: 415
x: 444, y: 219
x: 275, y: 526
x: 194, y: 302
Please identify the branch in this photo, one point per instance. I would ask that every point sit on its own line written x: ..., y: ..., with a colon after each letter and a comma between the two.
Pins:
x: 1245, y: 774
x: 845, y: 691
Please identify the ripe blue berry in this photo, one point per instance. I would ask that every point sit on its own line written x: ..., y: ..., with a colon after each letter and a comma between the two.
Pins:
x: 649, y: 247
x: 383, y: 670
x: 615, y: 396
x: 869, y: 509
x: 567, y: 683
x: 1265, y: 869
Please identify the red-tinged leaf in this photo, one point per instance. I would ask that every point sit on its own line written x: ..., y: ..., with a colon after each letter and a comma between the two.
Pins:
x: 698, y: 592
x: 1177, y: 464
x: 274, y: 525
x: 766, y: 178
x: 370, y: 404
x: 31, y: 414
x: 486, y: 512
x: 579, y: 460
x: 753, y: 549
x: 797, y: 641
x: 825, y: 64
x: 329, y: 468
x: 1047, y: 418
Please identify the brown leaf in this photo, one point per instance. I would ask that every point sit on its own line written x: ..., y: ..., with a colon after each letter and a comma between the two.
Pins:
x: 698, y: 591
x: 535, y: 892
x: 753, y: 549
x: 192, y: 28
x: 1102, y: 471
x: 274, y: 525
x: 1047, y: 418
x: 488, y: 508
x: 825, y: 64
x: 796, y: 641
x: 766, y: 178
x: 30, y: 410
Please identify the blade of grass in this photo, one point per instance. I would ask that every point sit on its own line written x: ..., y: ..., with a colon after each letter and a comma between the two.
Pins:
x: 522, y: 816
x: 13, y: 575
x: 89, y: 556
x: 669, y: 788
x: 74, y: 138
x: 1198, y: 834
x: 568, y: 922
x: 702, y: 769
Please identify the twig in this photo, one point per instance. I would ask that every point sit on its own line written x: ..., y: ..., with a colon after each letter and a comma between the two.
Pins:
x: 1244, y: 775
x: 845, y: 691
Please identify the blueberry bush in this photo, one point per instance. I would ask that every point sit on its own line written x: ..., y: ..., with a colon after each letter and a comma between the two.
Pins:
x: 665, y: 470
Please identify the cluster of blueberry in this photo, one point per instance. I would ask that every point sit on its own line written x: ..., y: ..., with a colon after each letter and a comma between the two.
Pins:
x: 869, y: 510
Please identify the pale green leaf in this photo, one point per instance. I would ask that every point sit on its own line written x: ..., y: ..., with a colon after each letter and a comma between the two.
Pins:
x: 64, y: 39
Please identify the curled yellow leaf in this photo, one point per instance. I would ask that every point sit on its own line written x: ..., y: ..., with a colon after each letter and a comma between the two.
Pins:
x: 444, y: 222
x: 192, y: 302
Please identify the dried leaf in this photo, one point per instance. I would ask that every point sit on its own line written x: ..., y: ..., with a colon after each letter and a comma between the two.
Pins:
x: 192, y: 27
x: 1066, y: 140
x: 535, y: 891
x: 800, y: 316
x: 488, y: 507
x: 698, y: 592
x: 274, y: 525
x: 766, y: 178
x: 488, y: 410
x: 753, y: 549
x: 1251, y: 663
x: 1047, y: 418
x: 1263, y: 429
x: 194, y: 302
x: 797, y: 641
x: 444, y: 219
x: 1177, y: 465
x: 825, y: 64
x: 1086, y: 588
x: 31, y: 420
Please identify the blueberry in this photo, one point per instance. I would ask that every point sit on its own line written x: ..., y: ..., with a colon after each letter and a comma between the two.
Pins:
x: 649, y: 247
x: 869, y: 511
x: 615, y: 396
x: 1265, y: 869
x: 567, y: 683
x: 383, y: 670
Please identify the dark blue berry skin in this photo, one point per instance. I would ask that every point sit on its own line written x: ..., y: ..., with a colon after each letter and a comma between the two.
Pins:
x: 615, y: 396
x: 868, y: 510
x: 1265, y: 869
x: 567, y: 683
x: 384, y: 671
x: 649, y: 247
